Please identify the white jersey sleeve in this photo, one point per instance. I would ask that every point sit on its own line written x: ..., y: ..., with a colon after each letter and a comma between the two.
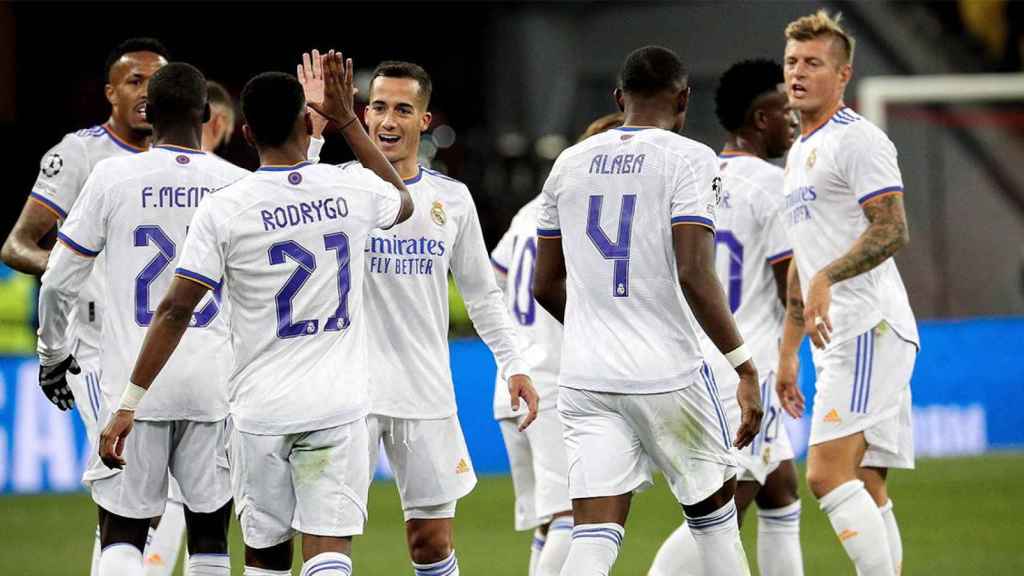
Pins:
x: 484, y: 301
x: 62, y: 173
x: 202, y: 258
x: 696, y: 190
x: 869, y: 163
x: 501, y: 256
x: 770, y: 214
x: 81, y: 239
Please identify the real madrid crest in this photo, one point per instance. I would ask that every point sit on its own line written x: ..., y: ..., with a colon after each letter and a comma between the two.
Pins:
x: 811, y: 158
x: 437, y: 213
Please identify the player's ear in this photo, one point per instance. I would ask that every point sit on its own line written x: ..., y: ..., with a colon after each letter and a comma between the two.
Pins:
x: 683, y: 100
x: 206, y: 113
x: 425, y: 121
x: 759, y: 118
x: 617, y: 94
x: 108, y: 91
x: 247, y: 132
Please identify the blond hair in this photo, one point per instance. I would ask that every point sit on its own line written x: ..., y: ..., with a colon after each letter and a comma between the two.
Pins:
x: 602, y: 124
x: 821, y: 24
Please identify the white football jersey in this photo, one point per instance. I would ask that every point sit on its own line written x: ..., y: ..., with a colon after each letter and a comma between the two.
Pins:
x: 286, y: 244
x: 749, y: 239
x: 136, y: 210
x: 539, y: 334
x: 407, y: 300
x: 613, y: 199
x: 830, y: 174
x: 62, y: 174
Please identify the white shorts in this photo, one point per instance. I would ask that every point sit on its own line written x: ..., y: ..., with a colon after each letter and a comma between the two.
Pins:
x: 192, y: 451
x: 615, y: 440
x: 429, y: 458
x: 863, y: 385
x: 310, y: 482
x: 85, y: 387
x: 771, y: 446
x: 540, y: 468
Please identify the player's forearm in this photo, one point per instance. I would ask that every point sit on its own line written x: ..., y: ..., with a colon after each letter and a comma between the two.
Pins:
x: 57, y: 295
x: 886, y: 234
x: 24, y: 255
x: 706, y: 298
x: 169, y: 324
x: 793, y: 325
x: 550, y: 294
x: 491, y: 321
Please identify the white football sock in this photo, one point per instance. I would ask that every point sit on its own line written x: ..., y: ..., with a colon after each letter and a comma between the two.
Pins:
x: 97, y: 549
x: 718, y: 539
x: 208, y: 565
x: 892, y: 532
x: 121, y: 559
x: 678, y: 555
x: 556, y: 549
x: 593, y: 550
x: 778, y: 541
x: 539, y: 539
x: 327, y: 564
x: 165, y: 541
x: 858, y: 522
x: 447, y: 567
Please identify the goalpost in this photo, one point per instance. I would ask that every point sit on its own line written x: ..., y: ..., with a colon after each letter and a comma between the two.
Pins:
x: 874, y: 93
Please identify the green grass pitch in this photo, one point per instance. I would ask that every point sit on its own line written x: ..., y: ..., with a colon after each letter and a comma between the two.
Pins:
x: 958, y: 516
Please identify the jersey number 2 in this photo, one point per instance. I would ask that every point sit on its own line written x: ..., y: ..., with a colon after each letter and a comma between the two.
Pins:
x: 150, y: 234
x: 618, y: 251
x: 306, y: 260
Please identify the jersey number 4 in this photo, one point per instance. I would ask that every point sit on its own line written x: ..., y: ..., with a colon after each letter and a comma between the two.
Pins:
x: 618, y: 251
x: 145, y: 236
x: 281, y: 252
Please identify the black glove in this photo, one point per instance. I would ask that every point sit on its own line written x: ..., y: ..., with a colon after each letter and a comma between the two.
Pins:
x: 54, y: 382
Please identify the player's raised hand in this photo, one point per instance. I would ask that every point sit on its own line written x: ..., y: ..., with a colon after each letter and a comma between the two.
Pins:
x: 817, y: 323
x: 520, y: 386
x: 53, y: 379
x: 311, y: 75
x: 113, y: 437
x: 785, y: 385
x: 338, y: 103
x: 748, y: 395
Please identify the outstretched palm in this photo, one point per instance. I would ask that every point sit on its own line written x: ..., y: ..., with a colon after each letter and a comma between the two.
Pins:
x: 311, y: 76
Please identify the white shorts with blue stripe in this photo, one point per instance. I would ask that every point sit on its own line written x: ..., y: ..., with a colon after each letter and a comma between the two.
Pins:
x: 863, y: 385
x: 85, y: 387
x: 616, y: 441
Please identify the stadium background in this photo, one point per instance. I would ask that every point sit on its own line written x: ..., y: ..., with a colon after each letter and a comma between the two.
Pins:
x: 514, y: 84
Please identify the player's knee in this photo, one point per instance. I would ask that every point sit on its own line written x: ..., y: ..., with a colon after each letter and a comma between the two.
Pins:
x: 429, y: 543
x: 208, y: 533
x: 821, y: 482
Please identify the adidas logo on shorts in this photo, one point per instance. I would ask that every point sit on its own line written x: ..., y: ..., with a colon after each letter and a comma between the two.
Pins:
x: 832, y: 417
x: 847, y: 534
x: 462, y: 467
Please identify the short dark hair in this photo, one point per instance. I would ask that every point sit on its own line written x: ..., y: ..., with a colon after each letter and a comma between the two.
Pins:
x: 399, y: 69
x: 176, y: 94
x: 271, y: 102
x: 741, y: 84
x: 134, y: 45
x: 218, y: 94
x: 650, y: 70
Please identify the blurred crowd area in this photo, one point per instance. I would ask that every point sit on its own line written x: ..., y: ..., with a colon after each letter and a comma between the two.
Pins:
x: 995, y: 28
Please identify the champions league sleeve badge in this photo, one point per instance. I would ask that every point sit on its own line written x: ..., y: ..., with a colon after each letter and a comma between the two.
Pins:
x: 437, y: 213
x: 51, y: 165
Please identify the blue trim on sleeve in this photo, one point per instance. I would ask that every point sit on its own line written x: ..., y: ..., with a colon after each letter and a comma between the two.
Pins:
x: 780, y: 256
x: 49, y: 204
x: 76, y: 246
x: 549, y: 232
x: 693, y: 220
x: 880, y: 192
x: 197, y: 277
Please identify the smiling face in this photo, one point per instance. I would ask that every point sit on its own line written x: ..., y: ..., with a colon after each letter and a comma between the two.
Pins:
x: 396, y: 116
x: 126, y: 90
x: 816, y: 74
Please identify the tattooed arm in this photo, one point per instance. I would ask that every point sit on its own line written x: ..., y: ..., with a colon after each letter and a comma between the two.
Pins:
x: 886, y: 234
